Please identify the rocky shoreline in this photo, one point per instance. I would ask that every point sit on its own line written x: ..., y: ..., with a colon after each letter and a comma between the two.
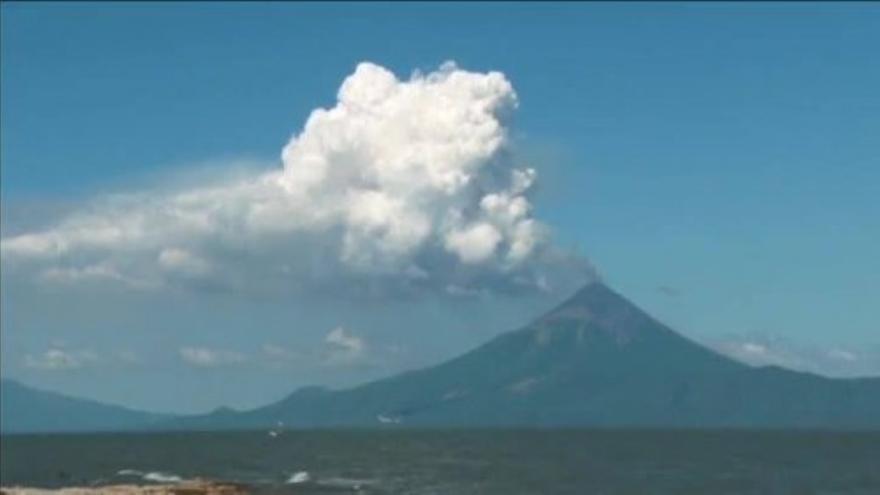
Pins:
x: 192, y: 487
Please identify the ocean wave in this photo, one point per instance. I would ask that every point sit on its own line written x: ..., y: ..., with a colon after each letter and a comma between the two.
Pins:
x: 155, y: 476
x: 129, y: 472
x: 333, y: 483
x: 299, y: 477
x: 160, y: 477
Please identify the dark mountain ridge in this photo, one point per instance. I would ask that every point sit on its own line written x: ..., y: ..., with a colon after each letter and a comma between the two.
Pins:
x: 28, y: 410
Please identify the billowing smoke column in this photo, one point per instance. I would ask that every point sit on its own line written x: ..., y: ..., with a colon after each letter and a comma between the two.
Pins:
x: 402, y: 186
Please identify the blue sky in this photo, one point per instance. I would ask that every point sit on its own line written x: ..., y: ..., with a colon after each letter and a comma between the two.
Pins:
x: 718, y: 164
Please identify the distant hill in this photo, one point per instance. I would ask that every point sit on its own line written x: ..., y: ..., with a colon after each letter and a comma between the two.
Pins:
x: 596, y: 360
x: 25, y: 409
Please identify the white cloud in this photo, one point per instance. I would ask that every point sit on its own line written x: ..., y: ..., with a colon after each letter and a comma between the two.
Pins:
x: 85, y: 273
x: 183, y: 262
x: 401, y: 185
x: 842, y: 355
x: 276, y: 356
x: 753, y: 349
x: 344, y: 348
x: 60, y: 360
x: 203, y: 357
x: 766, y: 350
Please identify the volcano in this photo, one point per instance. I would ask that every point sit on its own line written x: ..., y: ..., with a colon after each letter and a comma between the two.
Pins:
x: 596, y: 360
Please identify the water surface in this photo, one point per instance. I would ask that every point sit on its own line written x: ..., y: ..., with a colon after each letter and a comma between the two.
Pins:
x: 461, y: 462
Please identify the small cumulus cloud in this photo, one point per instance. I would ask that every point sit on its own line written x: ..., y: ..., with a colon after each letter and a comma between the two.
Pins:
x: 842, y: 355
x: 61, y: 357
x: 343, y: 348
x: 403, y: 185
x: 56, y: 359
x: 275, y: 351
x: 279, y: 356
x: 752, y: 349
x: 203, y: 357
x: 770, y: 350
x: 97, y: 272
x: 181, y: 261
x: 339, y: 348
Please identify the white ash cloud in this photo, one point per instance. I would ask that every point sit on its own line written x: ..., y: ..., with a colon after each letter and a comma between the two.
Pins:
x: 402, y: 186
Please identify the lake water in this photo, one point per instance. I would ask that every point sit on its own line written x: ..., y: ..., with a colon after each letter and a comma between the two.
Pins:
x: 461, y: 462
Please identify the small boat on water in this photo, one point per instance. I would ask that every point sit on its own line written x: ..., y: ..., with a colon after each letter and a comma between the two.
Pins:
x: 276, y: 432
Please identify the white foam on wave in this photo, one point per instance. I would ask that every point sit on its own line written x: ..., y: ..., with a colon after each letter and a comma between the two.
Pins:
x: 129, y: 472
x: 299, y: 477
x: 160, y: 477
